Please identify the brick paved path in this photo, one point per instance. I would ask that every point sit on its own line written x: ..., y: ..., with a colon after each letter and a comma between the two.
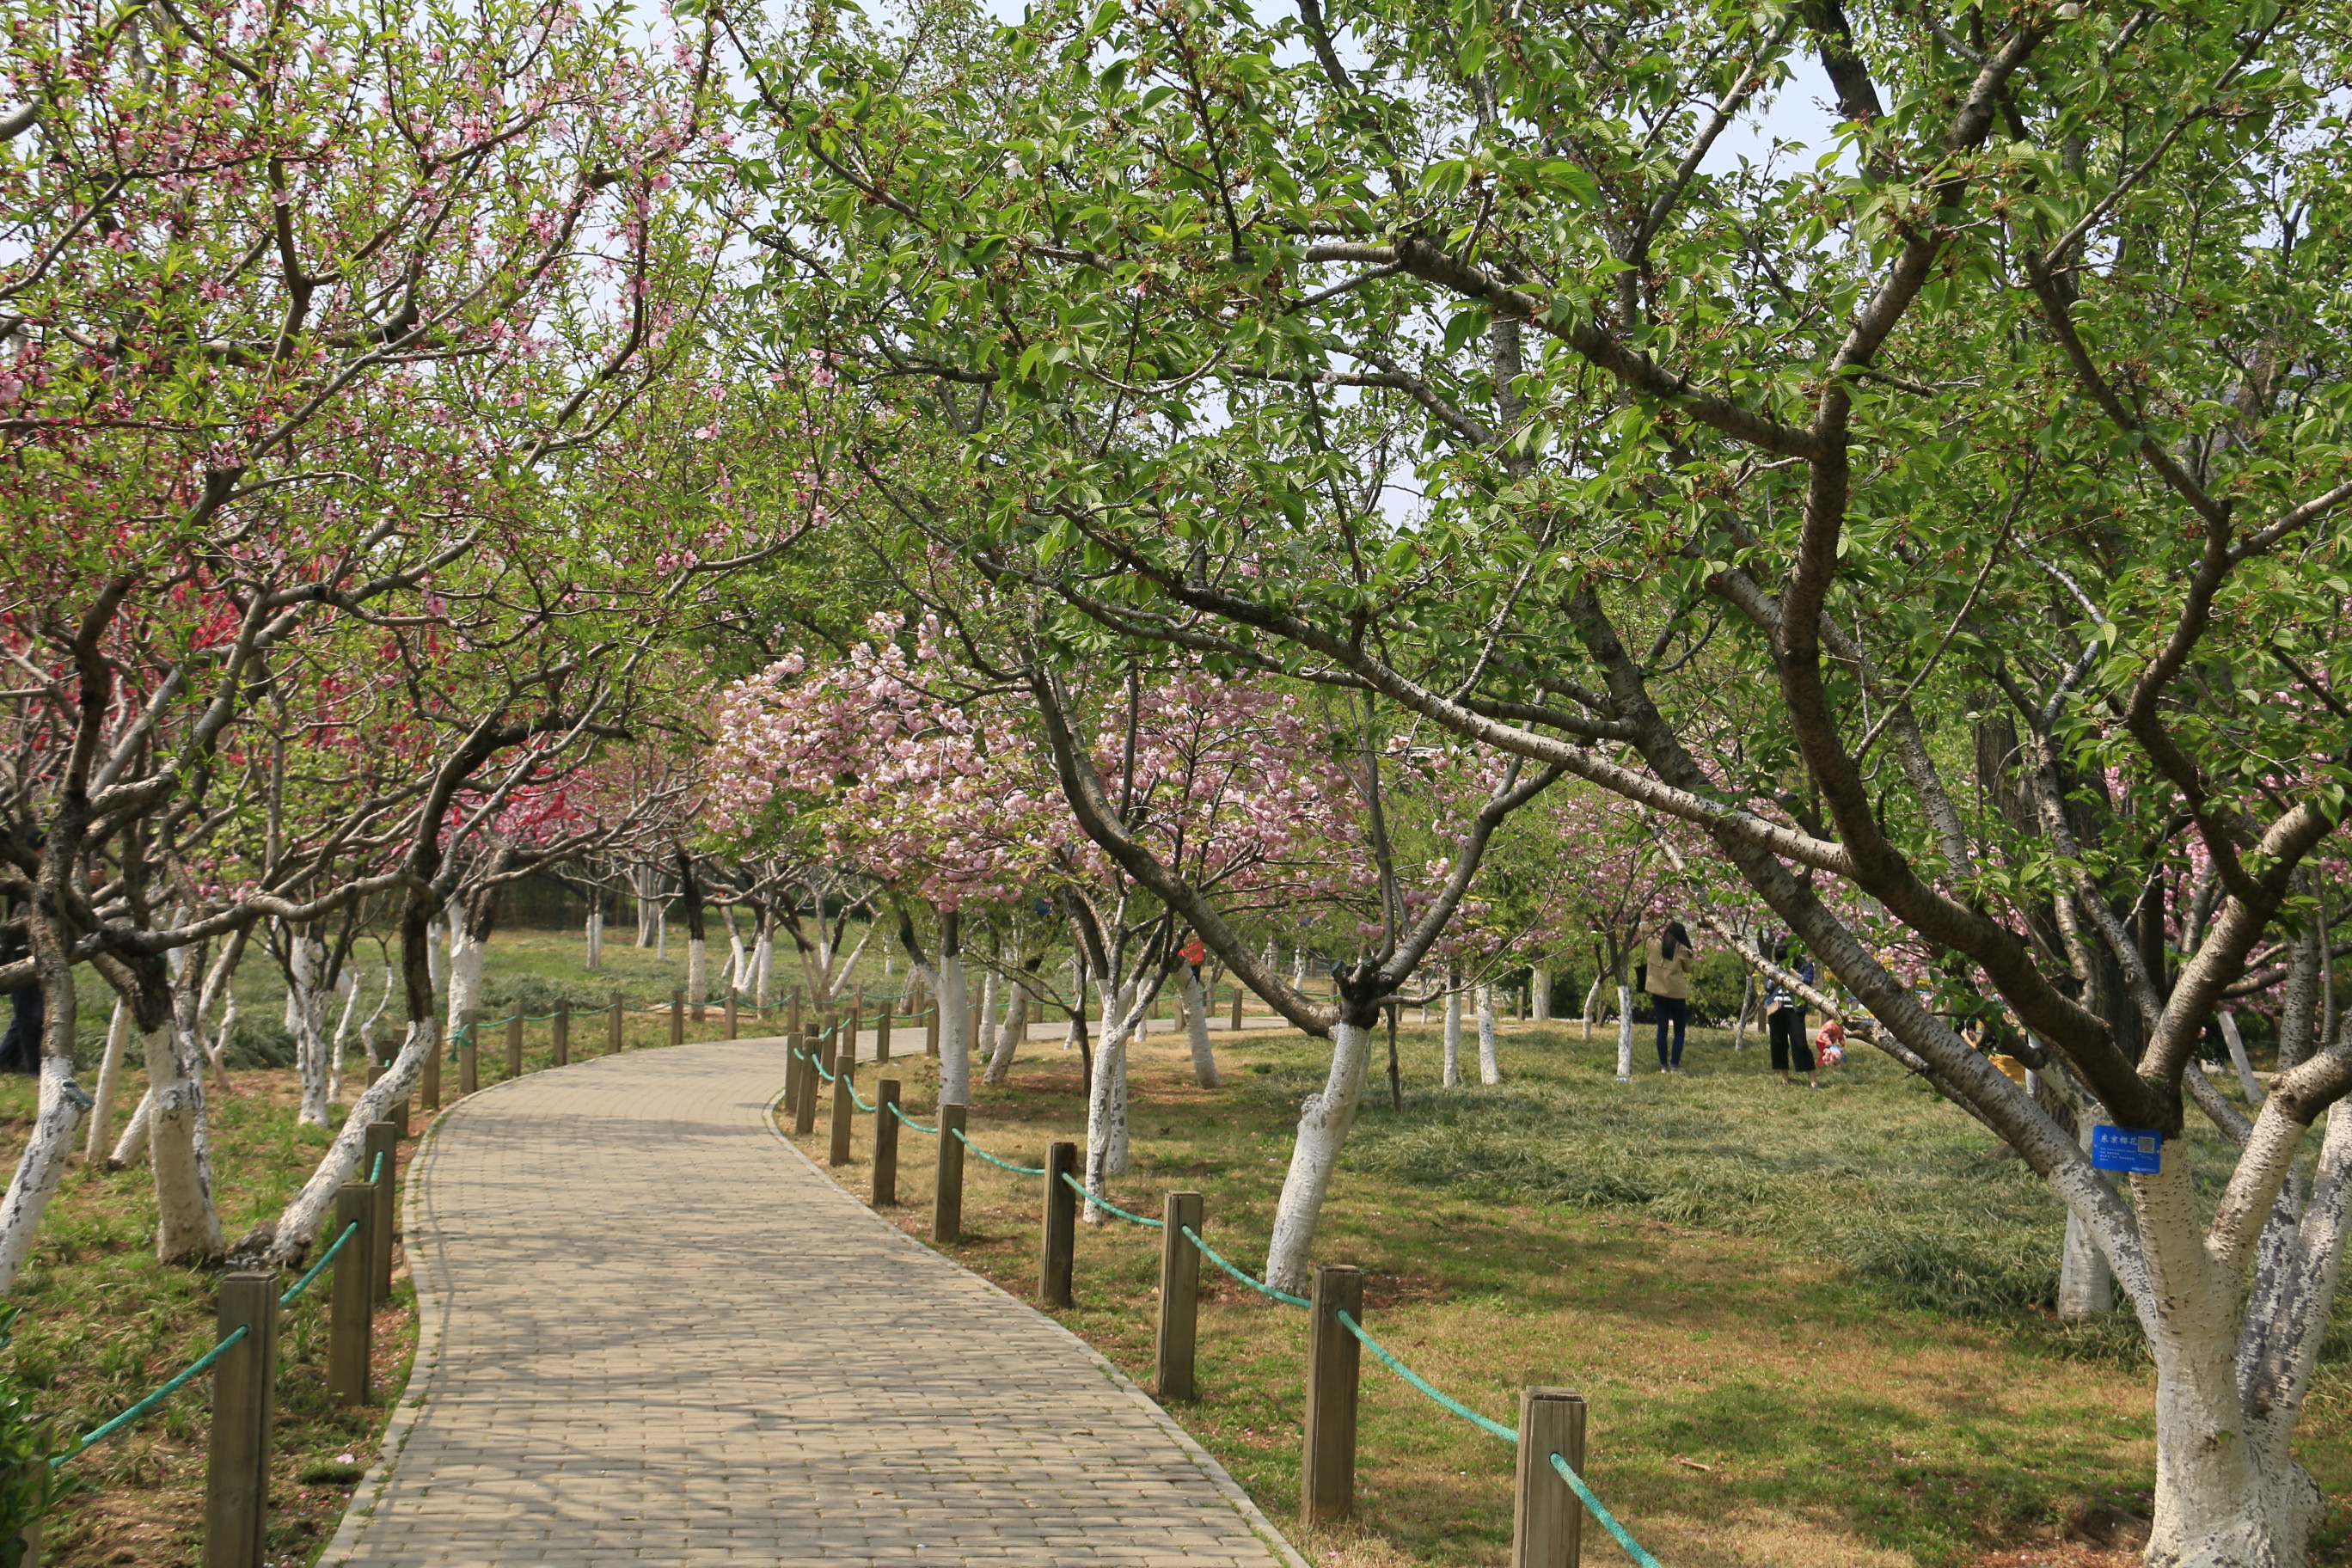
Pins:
x: 652, y: 1332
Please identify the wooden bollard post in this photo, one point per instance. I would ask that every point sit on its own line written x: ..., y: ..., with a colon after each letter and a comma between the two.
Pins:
x: 1057, y: 1246
x: 351, y: 1313
x: 792, y: 1099
x: 428, y: 1075
x: 882, y: 1033
x: 383, y: 1140
x: 1547, y: 1522
x: 1237, y: 1009
x: 1180, y: 1296
x: 514, y: 1042
x: 696, y: 1010
x: 947, y: 1182
x: 804, y: 1103
x: 733, y: 1000
x: 245, y: 1390
x: 1327, y: 1474
x: 469, y: 1055
x: 856, y: 1026
x: 795, y: 1027
x: 931, y: 1031
x: 677, y: 1017
x: 613, y: 1043
x: 886, y: 1143
x: 563, y: 1033
x: 844, y: 1076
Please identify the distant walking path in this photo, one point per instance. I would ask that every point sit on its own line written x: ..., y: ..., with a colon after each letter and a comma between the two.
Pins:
x: 652, y: 1332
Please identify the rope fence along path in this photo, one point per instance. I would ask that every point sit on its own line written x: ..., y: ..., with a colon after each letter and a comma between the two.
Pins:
x: 801, y: 1414
x: 1056, y: 1270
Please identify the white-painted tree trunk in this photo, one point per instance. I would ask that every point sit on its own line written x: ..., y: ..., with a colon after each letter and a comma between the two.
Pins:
x: 299, y: 1223
x: 1453, y: 1078
x: 2086, y: 1286
x: 986, y: 1033
x: 739, y: 963
x: 590, y: 933
x: 37, y: 1172
x: 2238, y: 1059
x: 1624, y: 1033
x: 350, y: 987
x: 187, y: 1221
x: 661, y: 933
x: 433, y: 952
x: 109, y: 1073
x: 1539, y: 995
x: 1196, y: 1019
x: 367, y: 1029
x: 309, y: 1029
x: 1323, y: 1123
x: 1107, y: 1110
x: 1591, y: 1000
x: 1298, y: 966
x: 464, y: 978
x: 955, y: 1033
x: 1490, y: 1063
x: 131, y: 1147
x: 1010, y: 1033
x: 698, y: 971
x: 2229, y: 1494
x: 217, y: 1052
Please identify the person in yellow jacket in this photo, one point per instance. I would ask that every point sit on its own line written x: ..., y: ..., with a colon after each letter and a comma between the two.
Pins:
x: 1668, y: 984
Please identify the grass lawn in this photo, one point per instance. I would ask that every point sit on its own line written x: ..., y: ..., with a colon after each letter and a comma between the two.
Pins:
x: 105, y: 1323
x: 1812, y: 1327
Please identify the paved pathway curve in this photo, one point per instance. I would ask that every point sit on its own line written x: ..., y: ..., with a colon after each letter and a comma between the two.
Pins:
x: 652, y: 1332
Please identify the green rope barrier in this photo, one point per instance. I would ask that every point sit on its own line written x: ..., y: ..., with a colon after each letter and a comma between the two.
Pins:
x: 1260, y: 1286
x: 818, y: 1063
x: 1080, y: 1188
x: 1609, y: 1520
x: 375, y: 1172
x: 1414, y: 1378
x: 294, y: 1292
x: 1000, y: 1165
x: 851, y: 1085
x: 910, y: 1122
x: 97, y: 1434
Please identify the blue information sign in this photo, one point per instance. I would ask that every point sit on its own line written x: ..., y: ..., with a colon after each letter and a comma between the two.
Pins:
x: 2133, y: 1149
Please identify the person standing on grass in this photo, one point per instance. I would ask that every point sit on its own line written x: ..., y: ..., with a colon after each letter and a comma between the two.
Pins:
x: 1784, y: 1021
x: 1668, y: 983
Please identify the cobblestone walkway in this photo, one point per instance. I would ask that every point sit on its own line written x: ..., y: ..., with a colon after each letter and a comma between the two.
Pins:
x: 652, y: 1332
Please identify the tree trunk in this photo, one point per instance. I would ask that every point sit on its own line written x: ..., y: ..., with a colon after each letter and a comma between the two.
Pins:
x: 2225, y: 1497
x: 110, y: 1072
x: 697, y: 971
x: 298, y: 1224
x: 1009, y: 1034
x: 1453, y: 1078
x: 1196, y: 1019
x: 1747, y: 999
x: 187, y: 1223
x: 464, y: 978
x: 42, y: 1163
x: 1107, y: 1144
x: 2238, y: 1059
x: 955, y: 1031
x: 304, y: 967
x: 1624, y: 1033
x: 351, y: 990
x: 1539, y: 995
x: 763, y: 967
x: 1323, y: 1123
x: 1591, y: 1000
x: 2086, y: 1286
x: 131, y: 1147
x: 1490, y: 1064
x: 217, y: 1052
